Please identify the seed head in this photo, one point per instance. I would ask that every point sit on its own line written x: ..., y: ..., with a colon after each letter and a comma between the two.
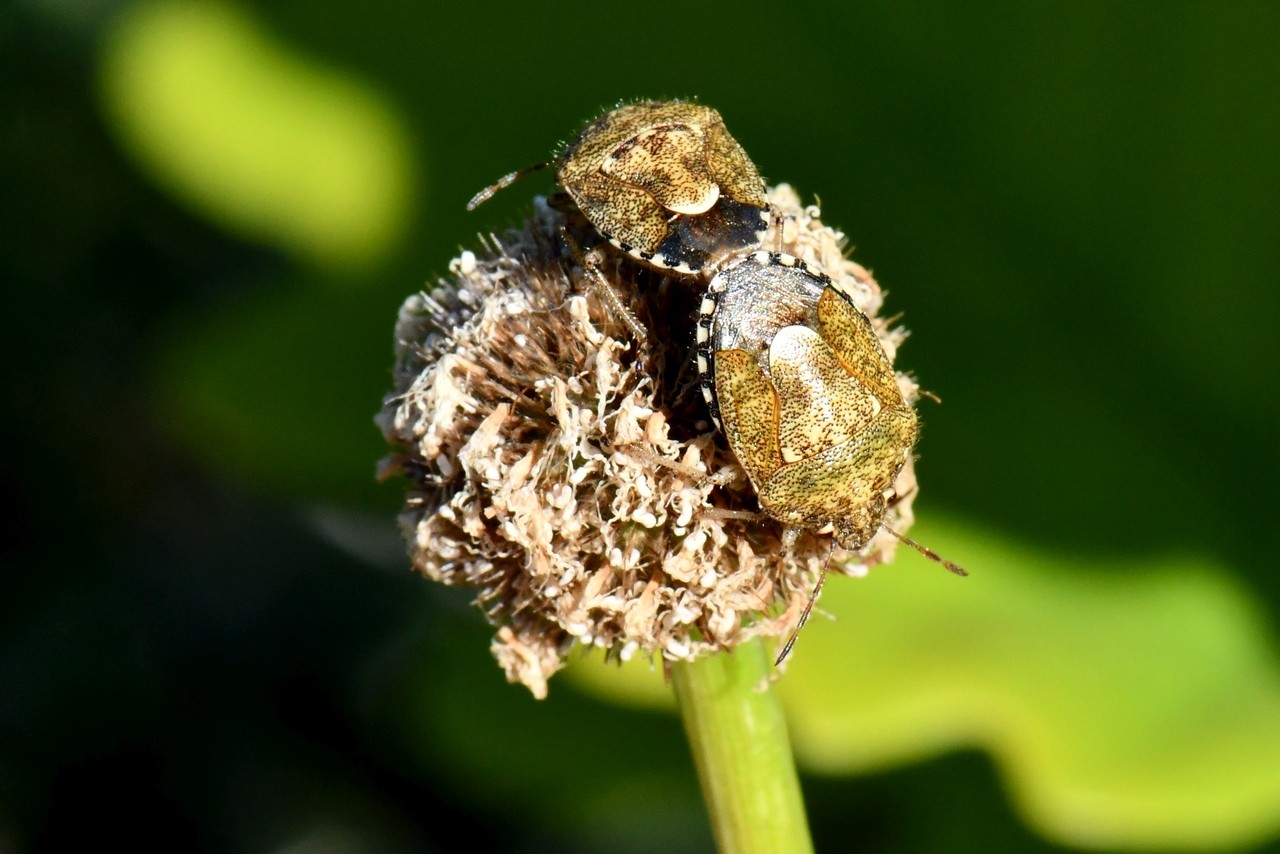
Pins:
x: 566, y: 473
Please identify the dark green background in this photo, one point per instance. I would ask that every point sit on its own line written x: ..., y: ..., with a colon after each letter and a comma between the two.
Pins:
x: 1076, y: 206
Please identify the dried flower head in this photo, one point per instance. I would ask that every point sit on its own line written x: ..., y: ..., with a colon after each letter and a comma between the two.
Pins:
x: 567, y: 475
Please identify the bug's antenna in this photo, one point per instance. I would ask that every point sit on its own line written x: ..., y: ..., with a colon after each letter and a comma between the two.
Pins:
x: 927, y: 552
x: 808, y: 609
x: 502, y: 183
x: 804, y: 618
x: 813, y: 597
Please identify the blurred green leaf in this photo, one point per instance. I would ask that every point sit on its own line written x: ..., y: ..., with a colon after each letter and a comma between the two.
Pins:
x: 1128, y: 704
x: 271, y: 144
x: 279, y: 391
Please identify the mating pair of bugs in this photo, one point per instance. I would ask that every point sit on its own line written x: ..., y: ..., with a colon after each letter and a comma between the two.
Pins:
x: 790, y: 368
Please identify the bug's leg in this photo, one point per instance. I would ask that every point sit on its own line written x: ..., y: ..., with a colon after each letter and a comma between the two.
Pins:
x: 735, y: 515
x: 776, y: 227
x: 590, y: 263
x: 723, y: 477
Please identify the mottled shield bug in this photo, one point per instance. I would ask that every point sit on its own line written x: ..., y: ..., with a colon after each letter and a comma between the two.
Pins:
x: 795, y: 376
x: 664, y: 182
x: 667, y: 184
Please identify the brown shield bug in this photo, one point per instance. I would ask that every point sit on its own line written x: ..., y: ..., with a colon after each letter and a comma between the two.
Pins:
x: 794, y: 374
x: 664, y: 182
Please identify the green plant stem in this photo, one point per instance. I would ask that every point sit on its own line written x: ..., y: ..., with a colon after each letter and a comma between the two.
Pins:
x: 739, y: 741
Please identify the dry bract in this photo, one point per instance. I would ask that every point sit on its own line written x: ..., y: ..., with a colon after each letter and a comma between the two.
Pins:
x: 566, y: 477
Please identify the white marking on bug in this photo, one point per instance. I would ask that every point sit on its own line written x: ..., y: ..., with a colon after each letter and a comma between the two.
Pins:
x: 702, y: 205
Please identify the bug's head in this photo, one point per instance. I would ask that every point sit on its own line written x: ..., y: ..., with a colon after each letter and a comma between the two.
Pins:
x: 856, y: 529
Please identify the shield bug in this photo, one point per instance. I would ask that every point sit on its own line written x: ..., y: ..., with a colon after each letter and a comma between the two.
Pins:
x: 795, y: 376
x: 664, y: 182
